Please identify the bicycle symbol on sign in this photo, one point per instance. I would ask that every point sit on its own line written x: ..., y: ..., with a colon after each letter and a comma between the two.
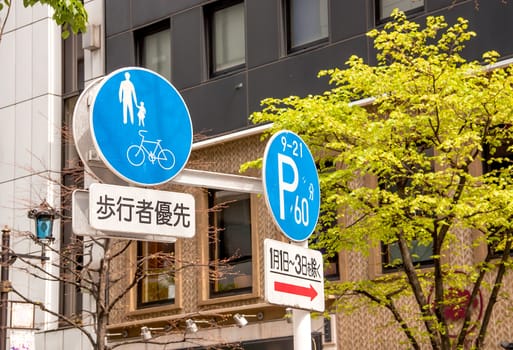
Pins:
x: 136, y: 154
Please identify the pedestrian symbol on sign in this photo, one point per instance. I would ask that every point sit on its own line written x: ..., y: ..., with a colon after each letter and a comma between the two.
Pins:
x: 153, y: 149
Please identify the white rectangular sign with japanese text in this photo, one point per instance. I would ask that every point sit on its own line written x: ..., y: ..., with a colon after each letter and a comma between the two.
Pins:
x: 293, y: 276
x: 140, y: 210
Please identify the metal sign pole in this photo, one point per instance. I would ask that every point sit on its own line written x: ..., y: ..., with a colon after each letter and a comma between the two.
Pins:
x: 5, y: 287
x: 302, y: 322
x: 291, y: 186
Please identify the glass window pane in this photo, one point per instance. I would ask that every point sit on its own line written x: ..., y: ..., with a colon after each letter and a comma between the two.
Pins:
x: 421, y: 254
x: 308, y: 21
x: 231, y: 249
x: 159, y: 284
x: 229, y: 37
x: 387, y: 6
x: 71, y: 245
x: 156, y: 53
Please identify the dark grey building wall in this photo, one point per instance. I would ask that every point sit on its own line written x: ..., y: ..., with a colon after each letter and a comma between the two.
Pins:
x: 222, y: 104
x: 188, y: 54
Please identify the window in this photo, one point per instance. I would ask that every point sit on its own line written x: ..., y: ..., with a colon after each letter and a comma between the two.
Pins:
x: 72, y: 177
x: 496, y: 159
x: 331, y: 271
x: 387, y: 6
x: 227, y: 36
x: 71, y: 245
x: 422, y: 255
x: 328, y: 220
x: 331, y: 265
x: 230, y: 248
x: 158, y: 283
x: 495, y: 163
x: 73, y: 65
x: 307, y: 22
x: 154, y: 48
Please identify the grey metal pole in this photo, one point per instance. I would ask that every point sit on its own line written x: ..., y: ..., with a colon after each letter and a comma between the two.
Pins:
x: 5, y: 287
x: 302, y: 322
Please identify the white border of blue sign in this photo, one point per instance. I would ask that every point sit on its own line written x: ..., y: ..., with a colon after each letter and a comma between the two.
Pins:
x: 291, y: 185
x: 135, y: 106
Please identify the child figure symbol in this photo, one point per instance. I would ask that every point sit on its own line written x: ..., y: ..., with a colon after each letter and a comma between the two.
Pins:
x: 141, y: 113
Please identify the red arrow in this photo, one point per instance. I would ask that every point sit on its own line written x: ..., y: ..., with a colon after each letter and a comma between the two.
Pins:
x: 293, y: 289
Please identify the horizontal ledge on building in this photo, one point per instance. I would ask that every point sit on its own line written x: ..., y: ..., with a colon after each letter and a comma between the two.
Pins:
x: 229, y: 137
x: 251, y: 308
x: 219, y: 181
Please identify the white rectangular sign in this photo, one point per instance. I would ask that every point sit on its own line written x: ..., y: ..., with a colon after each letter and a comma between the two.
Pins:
x: 293, y: 276
x: 140, y: 210
x: 80, y: 223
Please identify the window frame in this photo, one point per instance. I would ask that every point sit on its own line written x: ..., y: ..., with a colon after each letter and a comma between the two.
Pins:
x: 214, y: 247
x: 139, y: 304
x: 208, y: 13
x: 72, y: 66
x: 204, y: 244
x: 386, y: 261
x: 288, y: 30
x: 333, y: 262
x: 139, y: 38
x: 387, y: 265
x: 491, y: 164
x: 381, y: 18
x: 70, y: 294
x: 500, y: 152
x: 134, y: 309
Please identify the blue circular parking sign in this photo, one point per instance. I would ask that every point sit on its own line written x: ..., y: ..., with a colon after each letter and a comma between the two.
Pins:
x: 141, y: 126
x: 291, y: 185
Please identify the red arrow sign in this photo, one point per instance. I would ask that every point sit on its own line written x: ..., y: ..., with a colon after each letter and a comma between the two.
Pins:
x: 293, y: 289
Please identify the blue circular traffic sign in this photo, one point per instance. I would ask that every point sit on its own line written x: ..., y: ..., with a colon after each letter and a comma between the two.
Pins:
x: 141, y: 126
x: 291, y: 185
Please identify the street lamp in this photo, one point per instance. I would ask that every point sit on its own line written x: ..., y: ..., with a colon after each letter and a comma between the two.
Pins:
x: 44, y: 216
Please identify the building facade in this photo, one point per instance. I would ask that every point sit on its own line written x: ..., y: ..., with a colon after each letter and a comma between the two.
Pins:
x: 30, y: 160
x: 224, y: 57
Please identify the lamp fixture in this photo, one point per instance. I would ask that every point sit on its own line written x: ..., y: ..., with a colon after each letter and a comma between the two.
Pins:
x: 146, y: 331
x: 43, y: 215
x: 191, y: 326
x: 241, y: 320
x: 288, y: 314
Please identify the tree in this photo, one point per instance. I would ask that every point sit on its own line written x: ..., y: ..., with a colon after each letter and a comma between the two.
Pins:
x: 70, y: 14
x: 102, y: 270
x: 106, y: 287
x: 426, y: 120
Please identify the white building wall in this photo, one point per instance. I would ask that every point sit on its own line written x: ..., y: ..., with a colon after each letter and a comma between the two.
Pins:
x: 73, y: 339
x: 30, y: 145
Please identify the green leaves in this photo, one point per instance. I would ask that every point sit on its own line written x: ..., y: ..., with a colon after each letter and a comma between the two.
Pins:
x: 70, y: 14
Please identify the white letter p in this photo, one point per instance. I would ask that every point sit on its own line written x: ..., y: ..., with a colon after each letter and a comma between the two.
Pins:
x: 285, y: 186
